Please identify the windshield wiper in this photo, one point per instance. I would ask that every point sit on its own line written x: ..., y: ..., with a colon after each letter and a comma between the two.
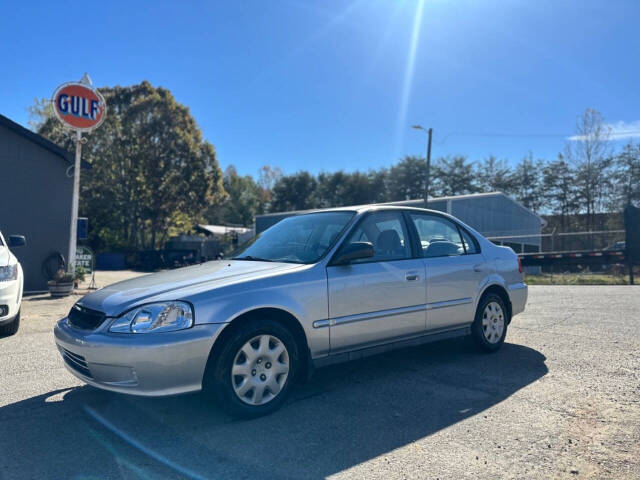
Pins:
x: 255, y: 259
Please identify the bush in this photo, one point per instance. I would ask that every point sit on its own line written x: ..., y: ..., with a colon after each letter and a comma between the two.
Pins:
x: 63, y: 277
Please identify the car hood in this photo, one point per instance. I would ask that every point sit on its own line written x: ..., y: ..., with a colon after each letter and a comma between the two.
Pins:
x: 115, y: 299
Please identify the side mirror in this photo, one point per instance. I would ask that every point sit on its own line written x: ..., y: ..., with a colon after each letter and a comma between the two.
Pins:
x: 354, y: 251
x: 16, y: 241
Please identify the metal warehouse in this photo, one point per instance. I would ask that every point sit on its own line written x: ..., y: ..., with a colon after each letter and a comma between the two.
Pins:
x: 36, y: 198
x: 493, y: 214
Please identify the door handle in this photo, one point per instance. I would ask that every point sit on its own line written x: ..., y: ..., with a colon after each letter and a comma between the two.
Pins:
x: 478, y: 268
x: 411, y: 277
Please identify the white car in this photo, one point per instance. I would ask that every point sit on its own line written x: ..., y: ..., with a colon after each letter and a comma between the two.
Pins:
x: 11, y: 283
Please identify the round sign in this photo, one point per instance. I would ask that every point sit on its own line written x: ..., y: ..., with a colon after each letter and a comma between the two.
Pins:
x: 79, y: 106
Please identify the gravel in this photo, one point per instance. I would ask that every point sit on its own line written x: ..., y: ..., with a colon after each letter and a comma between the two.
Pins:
x: 561, y: 399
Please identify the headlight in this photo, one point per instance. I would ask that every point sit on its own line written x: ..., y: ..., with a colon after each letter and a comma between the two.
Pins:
x: 155, y: 317
x: 8, y: 272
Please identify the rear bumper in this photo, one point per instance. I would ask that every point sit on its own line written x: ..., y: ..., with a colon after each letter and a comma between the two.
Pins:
x: 151, y: 364
x: 518, y: 293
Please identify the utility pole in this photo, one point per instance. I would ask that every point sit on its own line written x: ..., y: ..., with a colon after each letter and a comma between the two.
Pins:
x: 428, y: 179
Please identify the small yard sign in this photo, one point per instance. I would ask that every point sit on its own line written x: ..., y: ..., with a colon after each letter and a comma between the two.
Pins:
x: 84, y: 258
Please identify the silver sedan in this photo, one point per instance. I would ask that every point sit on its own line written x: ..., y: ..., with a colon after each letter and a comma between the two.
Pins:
x: 314, y: 289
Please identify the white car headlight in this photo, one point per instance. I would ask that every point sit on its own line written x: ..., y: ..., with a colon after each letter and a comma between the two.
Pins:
x: 155, y: 317
x: 8, y: 272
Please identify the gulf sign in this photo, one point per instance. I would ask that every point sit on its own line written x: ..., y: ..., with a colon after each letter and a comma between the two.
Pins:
x: 79, y: 106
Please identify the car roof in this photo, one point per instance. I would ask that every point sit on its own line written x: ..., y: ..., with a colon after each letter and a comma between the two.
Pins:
x: 360, y: 209
x: 369, y: 208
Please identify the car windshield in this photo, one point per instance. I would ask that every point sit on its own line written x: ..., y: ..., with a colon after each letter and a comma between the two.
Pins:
x: 299, y: 239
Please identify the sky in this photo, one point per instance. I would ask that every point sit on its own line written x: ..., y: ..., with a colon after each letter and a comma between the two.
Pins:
x: 337, y: 84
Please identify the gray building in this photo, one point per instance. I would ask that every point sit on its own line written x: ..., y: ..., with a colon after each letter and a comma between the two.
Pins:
x: 35, y: 199
x: 493, y: 214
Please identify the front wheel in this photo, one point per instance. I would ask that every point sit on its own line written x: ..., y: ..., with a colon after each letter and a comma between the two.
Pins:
x: 489, y: 327
x: 255, y: 369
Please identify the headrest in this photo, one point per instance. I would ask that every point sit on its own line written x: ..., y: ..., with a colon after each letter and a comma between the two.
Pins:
x: 442, y: 249
x: 389, y: 240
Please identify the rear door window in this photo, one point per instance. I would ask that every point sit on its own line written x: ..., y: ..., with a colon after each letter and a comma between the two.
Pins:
x: 438, y: 236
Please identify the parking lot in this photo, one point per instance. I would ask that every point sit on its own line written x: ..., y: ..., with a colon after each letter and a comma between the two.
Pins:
x: 560, y: 400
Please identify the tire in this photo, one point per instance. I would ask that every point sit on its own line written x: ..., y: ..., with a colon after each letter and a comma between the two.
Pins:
x: 489, y: 327
x: 10, y: 328
x: 253, y: 392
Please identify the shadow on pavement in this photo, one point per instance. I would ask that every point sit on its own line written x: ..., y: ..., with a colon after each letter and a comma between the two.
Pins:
x: 346, y: 415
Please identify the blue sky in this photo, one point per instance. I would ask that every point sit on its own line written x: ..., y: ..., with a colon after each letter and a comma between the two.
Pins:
x: 332, y: 84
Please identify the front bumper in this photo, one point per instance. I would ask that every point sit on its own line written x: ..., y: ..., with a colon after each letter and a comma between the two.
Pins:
x: 150, y: 364
x: 10, y: 295
x: 518, y: 294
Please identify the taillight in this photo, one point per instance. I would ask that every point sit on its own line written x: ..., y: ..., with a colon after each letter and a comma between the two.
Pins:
x: 520, y: 264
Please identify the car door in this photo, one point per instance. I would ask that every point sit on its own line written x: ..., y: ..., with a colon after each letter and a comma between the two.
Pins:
x: 454, y: 270
x: 377, y: 299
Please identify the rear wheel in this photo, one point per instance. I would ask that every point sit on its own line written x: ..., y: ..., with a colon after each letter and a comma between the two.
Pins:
x: 254, y: 370
x: 489, y: 327
x: 11, y: 328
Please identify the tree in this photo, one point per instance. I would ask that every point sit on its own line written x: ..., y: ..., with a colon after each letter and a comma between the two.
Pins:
x: 294, y: 192
x: 267, y: 178
x: 527, y: 183
x: 453, y: 176
x: 559, y: 190
x: 243, y: 202
x: 494, y: 175
x: 152, y: 172
x: 406, y: 179
x: 589, y: 153
x: 39, y: 112
x: 339, y: 189
x: 358, y: 190
x: 378, y: 185
x: 627, y: 176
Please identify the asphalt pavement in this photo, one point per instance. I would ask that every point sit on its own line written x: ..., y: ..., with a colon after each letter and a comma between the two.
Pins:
x: 561, y: 399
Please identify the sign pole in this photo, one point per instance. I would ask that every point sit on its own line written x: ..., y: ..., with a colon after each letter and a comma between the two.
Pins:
x: 82, y: 108
x: 74, y: 204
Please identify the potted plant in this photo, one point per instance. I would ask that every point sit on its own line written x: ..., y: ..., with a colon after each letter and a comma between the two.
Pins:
x: 78, y: 275
x: 62, y: 284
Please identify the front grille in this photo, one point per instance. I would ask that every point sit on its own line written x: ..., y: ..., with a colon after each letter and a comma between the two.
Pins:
x: 77, y: 362
x: 85, y: 318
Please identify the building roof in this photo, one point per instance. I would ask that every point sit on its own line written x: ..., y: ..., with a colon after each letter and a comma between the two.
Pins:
x: 221, y: 229
x: 40, y: 140
x: 469, y: 196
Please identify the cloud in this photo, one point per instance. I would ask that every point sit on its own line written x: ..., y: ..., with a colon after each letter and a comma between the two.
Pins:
x: 618, y: 131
